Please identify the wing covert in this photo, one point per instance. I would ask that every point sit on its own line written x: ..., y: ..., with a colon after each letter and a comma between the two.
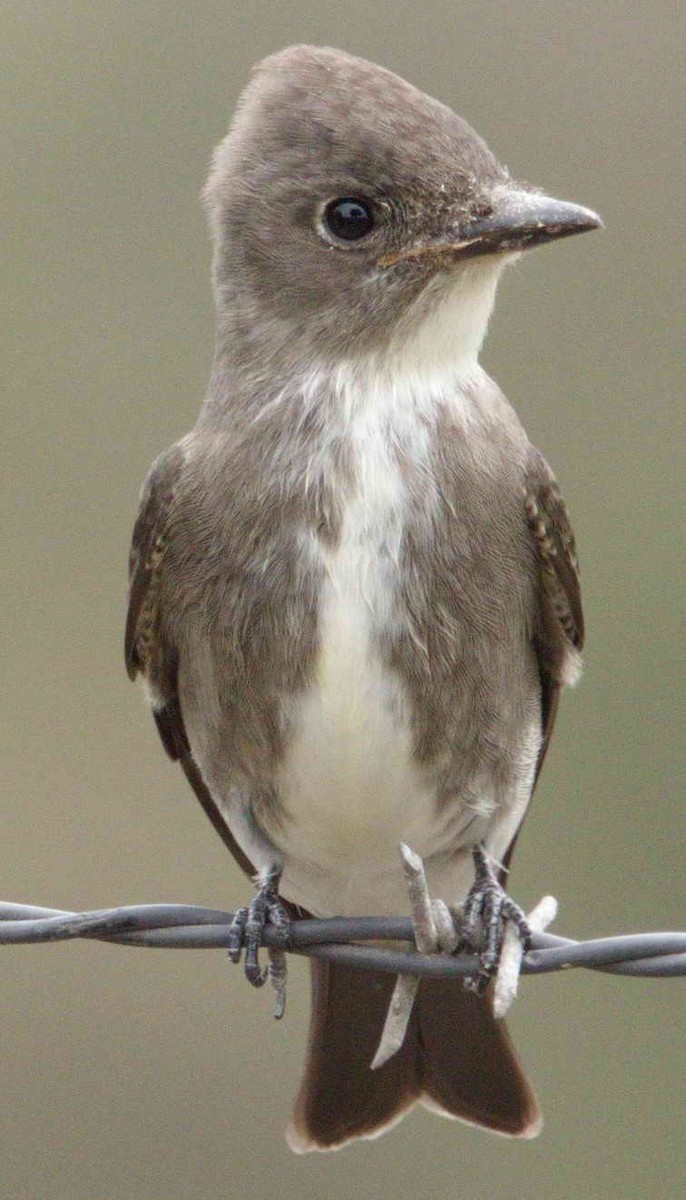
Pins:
x: 146, y: 651
x: 559, y: 630
x: 147, y: 551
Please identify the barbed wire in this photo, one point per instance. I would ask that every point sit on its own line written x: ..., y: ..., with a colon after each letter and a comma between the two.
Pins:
x: 188, y: 927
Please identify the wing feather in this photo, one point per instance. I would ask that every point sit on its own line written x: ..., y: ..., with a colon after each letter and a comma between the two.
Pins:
x: 147, y: 651
x: 559, y: 630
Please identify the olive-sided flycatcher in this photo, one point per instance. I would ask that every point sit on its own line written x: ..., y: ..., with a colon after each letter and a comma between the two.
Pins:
x: 354, y: 593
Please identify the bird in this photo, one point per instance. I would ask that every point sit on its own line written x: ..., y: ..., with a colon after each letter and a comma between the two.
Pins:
x: 354, y: 594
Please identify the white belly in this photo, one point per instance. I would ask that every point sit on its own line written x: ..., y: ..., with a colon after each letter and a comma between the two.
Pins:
x: 350, y: 786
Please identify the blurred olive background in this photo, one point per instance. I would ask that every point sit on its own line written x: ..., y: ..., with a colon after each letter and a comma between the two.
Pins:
x: 130, y: 1075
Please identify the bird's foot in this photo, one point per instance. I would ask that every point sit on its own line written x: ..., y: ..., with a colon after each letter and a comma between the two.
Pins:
x: 487, y: 913
x: 245, y: 932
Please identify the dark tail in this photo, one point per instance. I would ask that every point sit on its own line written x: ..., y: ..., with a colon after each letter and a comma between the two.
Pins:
x: 456, y: 1058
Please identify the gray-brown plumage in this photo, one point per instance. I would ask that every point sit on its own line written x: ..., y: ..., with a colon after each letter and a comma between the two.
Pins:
x: 354, y: 592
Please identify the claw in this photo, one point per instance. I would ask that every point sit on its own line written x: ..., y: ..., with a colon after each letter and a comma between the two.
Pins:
x: 237, y: 933
x: 487, y: 912
x: 277, y: 976
x: 245, y: 931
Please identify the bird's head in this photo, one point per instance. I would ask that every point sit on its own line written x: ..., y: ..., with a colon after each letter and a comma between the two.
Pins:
x: 349, y: 209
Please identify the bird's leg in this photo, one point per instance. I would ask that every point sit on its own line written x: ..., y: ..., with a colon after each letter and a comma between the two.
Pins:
x: 245, y: 931
x: 487, y: 912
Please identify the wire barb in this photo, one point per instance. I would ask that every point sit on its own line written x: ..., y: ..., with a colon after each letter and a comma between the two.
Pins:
x: 434, y: 931
x: 512, y: 954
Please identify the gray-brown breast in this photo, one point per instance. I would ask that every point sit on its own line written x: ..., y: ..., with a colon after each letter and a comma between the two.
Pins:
x: 239, y: 594
x: 470, y: 589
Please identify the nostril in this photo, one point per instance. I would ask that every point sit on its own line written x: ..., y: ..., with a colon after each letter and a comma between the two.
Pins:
x: 482, y: 208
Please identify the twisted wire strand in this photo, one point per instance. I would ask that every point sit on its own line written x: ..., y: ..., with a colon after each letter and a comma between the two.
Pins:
x: 188, y: 927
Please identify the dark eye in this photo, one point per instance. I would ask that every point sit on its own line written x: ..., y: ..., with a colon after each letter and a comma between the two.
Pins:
x: 349, y: 218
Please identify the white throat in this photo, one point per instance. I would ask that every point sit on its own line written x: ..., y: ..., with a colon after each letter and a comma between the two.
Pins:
x: 444, y: 329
